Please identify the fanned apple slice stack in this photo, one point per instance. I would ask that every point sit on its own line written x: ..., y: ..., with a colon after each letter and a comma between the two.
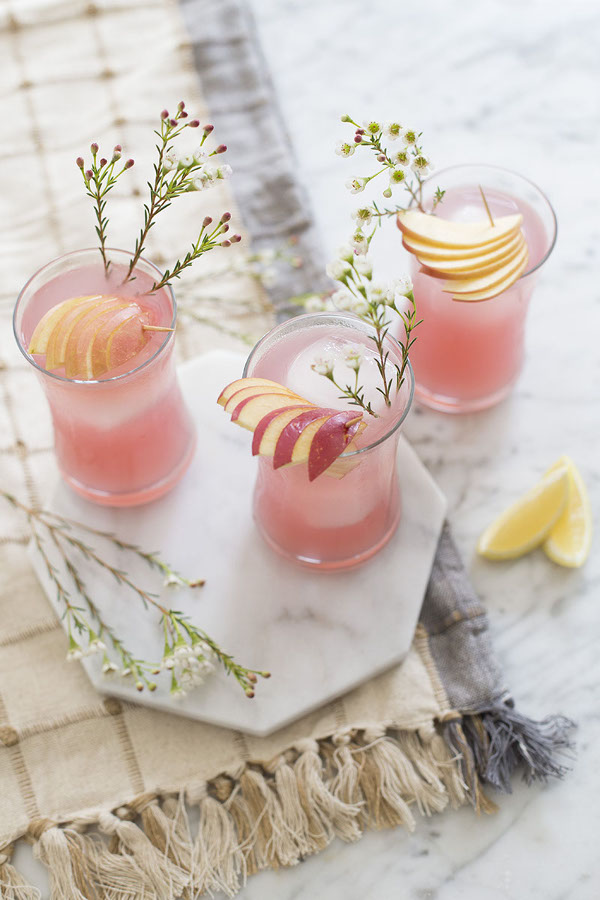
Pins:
x: 477, y: 260
x: 89, y: 336
x: 289, y: 428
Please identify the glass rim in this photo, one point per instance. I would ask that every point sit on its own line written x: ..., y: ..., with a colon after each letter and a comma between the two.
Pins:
x: 63, y: 378
x: 528, y: 181
x: 354, y: 318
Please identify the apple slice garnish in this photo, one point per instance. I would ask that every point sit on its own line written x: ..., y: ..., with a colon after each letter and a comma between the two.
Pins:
x: 90, y: 335
x: 465, y: 266
x: 289, y: 428
x: 82, y: 335
x: 42, y: 331
x: 255, y: 391
x: 266, y: 433
x: 330, y: 441
x: 250, y: 411
x: 477, y: 260
x: 446, y: 233
x: 439, y: 251
x: 294, y: 431
x: 488, y: 293
x: 243, y: 383
x: 488, y: 282
x: 101, y: 356
x: 61, y: 332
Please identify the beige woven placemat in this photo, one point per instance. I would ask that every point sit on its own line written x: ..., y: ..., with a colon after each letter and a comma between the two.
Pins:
x: 73, y: 765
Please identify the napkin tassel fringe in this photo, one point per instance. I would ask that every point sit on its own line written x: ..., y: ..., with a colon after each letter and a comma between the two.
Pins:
x: 503, y: 740
x: 12, y: 885
x: 495, y: 741
x: 260, y: 816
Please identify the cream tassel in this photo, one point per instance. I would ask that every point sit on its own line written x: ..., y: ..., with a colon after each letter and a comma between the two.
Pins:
x: 345, y: 784
x: 431, y: 795
x: 447, y: 763
x: 294, y: 818
x: 384, y: 776
x: 60, y: 851
x: 167, y: 833
x: 12, y: 886
x: 273, y: 837
x: 327, y: 814
x: 218, y: 860
x: 167, y: 879
x: 228, y: 792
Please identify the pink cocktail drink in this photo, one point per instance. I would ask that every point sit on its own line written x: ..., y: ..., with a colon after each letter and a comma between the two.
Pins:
x: 468, y: 353
x: 350, y: 511
x: 126, y: 437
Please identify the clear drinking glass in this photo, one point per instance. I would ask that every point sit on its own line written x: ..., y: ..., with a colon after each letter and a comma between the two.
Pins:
x: 348, y: 513
x: 127, y: 438
x: 469, y: 354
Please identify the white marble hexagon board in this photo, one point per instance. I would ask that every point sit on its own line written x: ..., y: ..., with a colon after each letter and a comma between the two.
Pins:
x: 319, y: 633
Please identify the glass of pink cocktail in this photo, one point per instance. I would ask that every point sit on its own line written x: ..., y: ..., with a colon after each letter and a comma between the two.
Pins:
x: 469, y: 354
x: 125, y: 437
x: 349, y: 512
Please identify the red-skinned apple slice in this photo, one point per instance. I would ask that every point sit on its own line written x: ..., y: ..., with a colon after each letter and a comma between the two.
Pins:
x: 249, y: 412
x: 44, y: 328
x: 82, y: 335
x: 254, y: 391
x: 242, y: 383
x: 127, y: 340
x: 99, y: 346
x: 266, y: 433
x: 294, y: 430
x: 331, y: 440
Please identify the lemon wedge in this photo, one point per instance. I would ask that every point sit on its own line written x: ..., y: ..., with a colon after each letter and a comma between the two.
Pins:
x: 528, y: 522
x: 569, y: 541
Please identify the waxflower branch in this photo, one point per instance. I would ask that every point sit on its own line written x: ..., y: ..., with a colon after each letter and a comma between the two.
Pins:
x: 189, y: 654
x: 99, y: 180
x: 174, y: 175
x: 407, y: 167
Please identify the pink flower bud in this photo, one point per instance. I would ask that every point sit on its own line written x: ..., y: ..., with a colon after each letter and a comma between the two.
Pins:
x: 224, y: 228
x: 236, y: 239
x: 194, y: 123
x: 89, y: 174
x: 94, y: 148
x: 79, y: 161
x: 221, y: 148
x: 164, y: 114
x: 226, y: 217
x: 103, y: 162
x: 183, y: 114
x: 173, y: 122
x: 381, y: 157
x: 209, y: 128
x: 207, y: 221
x: 225, y: 243
x: 358, y: 138
x: 181, y: 106
x: 117, y: 148
x: 129, y: 163
x: 360, y: 130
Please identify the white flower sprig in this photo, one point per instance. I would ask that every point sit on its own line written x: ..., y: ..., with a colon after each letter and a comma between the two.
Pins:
x: 355, y: 394
x: 407, y: 166
x: 189, y: 653
x: 371, y: 302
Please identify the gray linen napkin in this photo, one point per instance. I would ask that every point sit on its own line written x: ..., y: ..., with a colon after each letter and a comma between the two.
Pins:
x: 493, y: 738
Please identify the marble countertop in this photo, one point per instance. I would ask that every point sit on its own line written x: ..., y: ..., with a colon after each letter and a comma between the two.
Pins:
x: 513, y: 84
